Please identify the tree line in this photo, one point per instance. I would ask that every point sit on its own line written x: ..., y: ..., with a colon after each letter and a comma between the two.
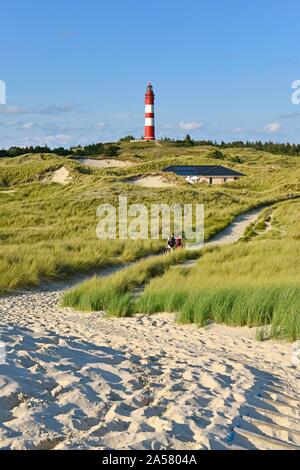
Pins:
x: 271, y: 147
x: 111, y: 150
x: 108, y: 150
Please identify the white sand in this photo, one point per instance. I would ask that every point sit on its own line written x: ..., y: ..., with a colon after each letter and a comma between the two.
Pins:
x: 236, y: 229
x: 75, y: 380
x: 105, y: 163
x: 61, y: 176
x: 151, y: 182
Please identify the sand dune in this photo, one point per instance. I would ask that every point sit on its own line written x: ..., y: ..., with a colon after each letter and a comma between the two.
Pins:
x: 61, y: 176
x: 8, y: 191
x: 74, y: 380
x: 151, y: 182
x: 105, y: 163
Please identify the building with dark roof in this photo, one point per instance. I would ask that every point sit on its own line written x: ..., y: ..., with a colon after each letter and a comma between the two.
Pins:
x: 211, y: 174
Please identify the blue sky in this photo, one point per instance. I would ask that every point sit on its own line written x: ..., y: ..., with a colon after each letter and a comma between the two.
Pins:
x: 76, y: 70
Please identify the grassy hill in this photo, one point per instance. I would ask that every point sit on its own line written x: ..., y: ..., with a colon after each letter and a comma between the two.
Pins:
x: 48, y: 230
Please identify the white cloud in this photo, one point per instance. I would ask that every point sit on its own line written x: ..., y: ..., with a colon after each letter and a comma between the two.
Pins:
x: 167, y: 126
x: 185, y: 126
x: 239, y: 130
x: 272, y: 127
x: 52, y: 140
x: 27, y: 125
x: 189, y: 126
x: 58, y: 139
x: 56, y: 128
x: 52, y: 109
x: 295, y: 114
x: 8, y: 123
x: 12, y: 110
x: 101, y: 125
x: 18, y: 124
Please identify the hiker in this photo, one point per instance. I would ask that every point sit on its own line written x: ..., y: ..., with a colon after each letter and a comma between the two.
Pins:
x: 178, y: 242
x: 171, y: 243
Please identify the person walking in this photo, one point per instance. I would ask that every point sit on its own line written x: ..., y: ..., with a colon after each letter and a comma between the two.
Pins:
x: 171, y: 243
x: 178, y: 242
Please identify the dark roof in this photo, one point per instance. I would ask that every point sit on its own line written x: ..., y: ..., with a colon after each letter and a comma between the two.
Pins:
x: 202, y: 170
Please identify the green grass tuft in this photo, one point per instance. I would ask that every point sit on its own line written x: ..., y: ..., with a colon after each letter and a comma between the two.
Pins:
x: 113, y: 293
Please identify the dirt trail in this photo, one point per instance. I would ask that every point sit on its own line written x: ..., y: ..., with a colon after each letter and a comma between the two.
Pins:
x: 232, y: 233
x: 236, y: 229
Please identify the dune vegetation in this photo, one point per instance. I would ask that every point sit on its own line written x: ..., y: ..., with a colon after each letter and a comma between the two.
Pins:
x: 114, y: 293
x: 255, y: 282
x: 47, y: 230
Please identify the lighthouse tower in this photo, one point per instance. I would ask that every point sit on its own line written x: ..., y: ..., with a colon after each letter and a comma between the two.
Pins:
x: 149, y: 114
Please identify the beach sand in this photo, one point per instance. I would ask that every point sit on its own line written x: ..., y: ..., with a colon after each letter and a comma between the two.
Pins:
x: 74, y: 380
x: 61, y: 176
x: 82, y: 381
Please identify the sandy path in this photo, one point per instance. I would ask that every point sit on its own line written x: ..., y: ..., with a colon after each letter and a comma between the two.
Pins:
x: 236, y: 229
x: 74, y: 380
x: 232, y: 233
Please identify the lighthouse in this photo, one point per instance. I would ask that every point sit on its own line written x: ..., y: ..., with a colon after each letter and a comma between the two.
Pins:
x: 149, y: 114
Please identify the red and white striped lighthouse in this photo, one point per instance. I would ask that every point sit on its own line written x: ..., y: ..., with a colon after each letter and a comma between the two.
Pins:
x: 149, y: 114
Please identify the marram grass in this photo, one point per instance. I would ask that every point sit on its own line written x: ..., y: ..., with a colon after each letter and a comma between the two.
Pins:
x: 48, y: 231
x: 254, y: 283
x: 113, y: 293
x: 278, y: 306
